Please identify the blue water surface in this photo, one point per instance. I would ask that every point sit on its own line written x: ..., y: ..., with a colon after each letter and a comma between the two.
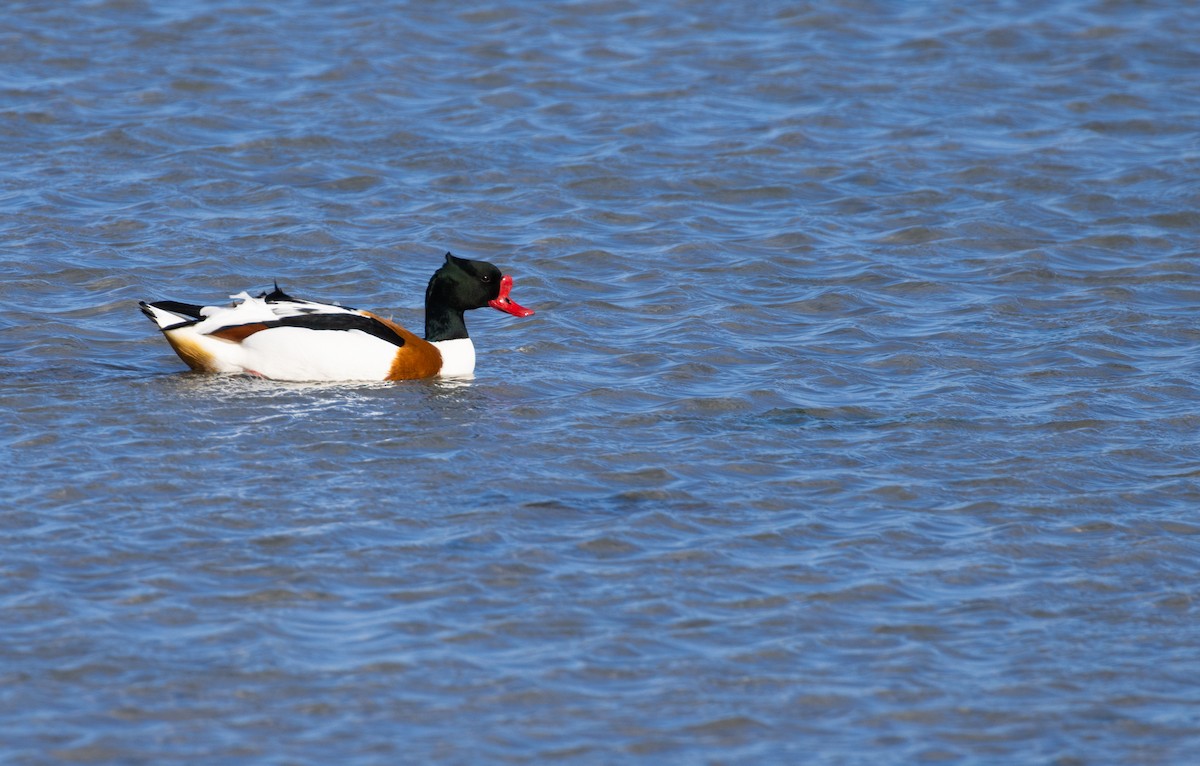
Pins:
x: 857, y: 423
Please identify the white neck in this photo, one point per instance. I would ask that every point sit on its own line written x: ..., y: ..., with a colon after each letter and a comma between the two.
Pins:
x: 458, y: 357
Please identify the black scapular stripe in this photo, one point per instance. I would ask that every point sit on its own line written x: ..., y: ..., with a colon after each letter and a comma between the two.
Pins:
x: 341, y: 322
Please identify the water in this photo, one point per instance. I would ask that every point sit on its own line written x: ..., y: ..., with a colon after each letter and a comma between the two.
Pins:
x: 857, y: 423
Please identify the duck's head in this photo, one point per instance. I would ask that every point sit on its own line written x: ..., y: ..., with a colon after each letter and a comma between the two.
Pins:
x: 462, y: 284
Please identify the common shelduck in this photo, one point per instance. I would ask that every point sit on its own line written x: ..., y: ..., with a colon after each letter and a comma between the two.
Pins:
x: 277, y: 336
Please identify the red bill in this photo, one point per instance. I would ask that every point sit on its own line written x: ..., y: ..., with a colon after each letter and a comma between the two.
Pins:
x: 503, y: 303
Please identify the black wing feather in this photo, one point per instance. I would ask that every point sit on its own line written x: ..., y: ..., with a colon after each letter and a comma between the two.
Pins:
x: 175, y: 307
x: 277, y: 295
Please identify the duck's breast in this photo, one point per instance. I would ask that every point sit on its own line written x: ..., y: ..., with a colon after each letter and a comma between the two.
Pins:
x: 458, y: 357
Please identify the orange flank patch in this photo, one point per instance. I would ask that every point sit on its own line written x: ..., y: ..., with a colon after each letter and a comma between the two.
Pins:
x: 237, y: 333
x: 191, y: 353
x: 417, y: 358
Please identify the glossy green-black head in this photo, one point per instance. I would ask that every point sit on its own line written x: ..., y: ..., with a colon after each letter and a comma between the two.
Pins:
x: 461, y: 285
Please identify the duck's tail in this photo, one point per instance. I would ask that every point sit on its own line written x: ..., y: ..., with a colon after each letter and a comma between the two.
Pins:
x: 171, y: 314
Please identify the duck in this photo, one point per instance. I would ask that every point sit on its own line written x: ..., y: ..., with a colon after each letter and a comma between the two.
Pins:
x: 276, y: 336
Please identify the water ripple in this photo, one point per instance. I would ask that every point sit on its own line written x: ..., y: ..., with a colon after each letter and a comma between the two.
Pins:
x: 857, y: 420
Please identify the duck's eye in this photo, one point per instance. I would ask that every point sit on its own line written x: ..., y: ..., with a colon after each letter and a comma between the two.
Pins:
x: 486, y: 277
